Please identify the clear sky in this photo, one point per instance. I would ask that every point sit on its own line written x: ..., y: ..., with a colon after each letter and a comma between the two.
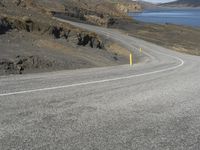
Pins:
x: 159, y: 1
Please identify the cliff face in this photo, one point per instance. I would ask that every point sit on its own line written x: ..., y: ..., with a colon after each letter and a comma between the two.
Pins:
x: 183, y: 3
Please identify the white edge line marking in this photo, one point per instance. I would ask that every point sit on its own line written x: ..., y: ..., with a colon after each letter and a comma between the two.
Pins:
x: 93, y: 82
x: 101, y: 81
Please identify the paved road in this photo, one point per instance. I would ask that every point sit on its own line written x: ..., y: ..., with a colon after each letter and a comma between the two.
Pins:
x: 153, y: 105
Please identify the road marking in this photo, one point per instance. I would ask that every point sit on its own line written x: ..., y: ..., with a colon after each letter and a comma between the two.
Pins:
x: 94, y: 82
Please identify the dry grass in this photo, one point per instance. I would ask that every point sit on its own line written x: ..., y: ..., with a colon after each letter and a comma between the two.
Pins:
x: 118, y: 49
x: 178, y: 38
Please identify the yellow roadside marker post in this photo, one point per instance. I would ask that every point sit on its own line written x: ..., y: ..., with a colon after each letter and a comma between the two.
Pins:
x: 140, y: 50
x: 131, y: 59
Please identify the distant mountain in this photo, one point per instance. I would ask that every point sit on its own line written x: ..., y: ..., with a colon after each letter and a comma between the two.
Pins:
x: 183, y: 3
x: 147, y: 5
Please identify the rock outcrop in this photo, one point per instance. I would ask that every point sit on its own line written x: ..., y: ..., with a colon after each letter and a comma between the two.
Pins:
x: 86, y: 39
x: 83, y: 38
x: 21, y: 63
x: 101, y: 13
x: 128, y: 7
x: 5, y: 26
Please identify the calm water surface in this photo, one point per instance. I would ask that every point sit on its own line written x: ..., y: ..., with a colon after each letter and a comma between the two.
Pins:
x: 187, y: 17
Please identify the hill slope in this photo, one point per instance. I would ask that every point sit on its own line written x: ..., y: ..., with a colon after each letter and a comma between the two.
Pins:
x: 32, y: 41
x: 183, y: 3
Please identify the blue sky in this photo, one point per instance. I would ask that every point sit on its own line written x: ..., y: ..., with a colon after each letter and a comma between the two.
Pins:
x: 159, y: 1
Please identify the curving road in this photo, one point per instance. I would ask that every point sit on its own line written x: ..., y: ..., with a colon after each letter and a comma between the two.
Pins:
x: 153, y: 105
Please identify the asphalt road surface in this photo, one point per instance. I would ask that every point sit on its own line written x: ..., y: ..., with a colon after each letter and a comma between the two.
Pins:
x: 153, y: 105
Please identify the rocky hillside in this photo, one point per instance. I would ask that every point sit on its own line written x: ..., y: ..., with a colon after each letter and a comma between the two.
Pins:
x: 99, y: 12
x: 31, y: 40
x: 183, y: 3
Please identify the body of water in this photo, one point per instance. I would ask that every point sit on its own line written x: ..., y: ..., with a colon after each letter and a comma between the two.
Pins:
x: 187, y: 17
